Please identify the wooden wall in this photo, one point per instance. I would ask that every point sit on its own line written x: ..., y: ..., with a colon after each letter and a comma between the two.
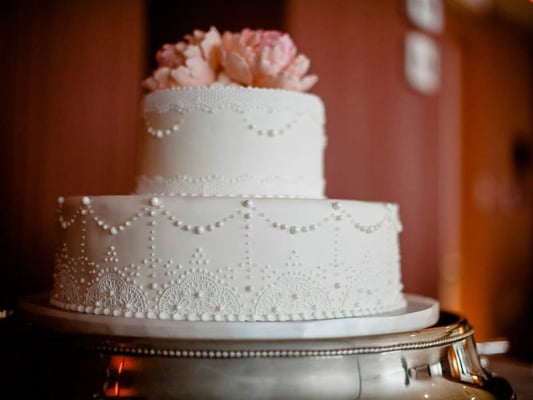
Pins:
x: 496, y: 263
x: 70, y: 93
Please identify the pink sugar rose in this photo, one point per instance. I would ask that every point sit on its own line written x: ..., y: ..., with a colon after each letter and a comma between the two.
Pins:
x: 171, y: 55
x: 159, y: 80
x: 260, y: 58
x: 209, y: 44
x: 292, y: 78
x: 192, y: 62
x: 196, y: 71
x: 265, y: 59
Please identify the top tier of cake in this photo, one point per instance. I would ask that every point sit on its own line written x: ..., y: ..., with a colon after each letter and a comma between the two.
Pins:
x: 232, y: 141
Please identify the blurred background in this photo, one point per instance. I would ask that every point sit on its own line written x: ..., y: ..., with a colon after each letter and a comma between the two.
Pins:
x: 429, y: 105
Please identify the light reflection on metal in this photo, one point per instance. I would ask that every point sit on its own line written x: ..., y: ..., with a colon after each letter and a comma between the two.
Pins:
x: 437, y: 362
x: 120, y: 377
x: 431, y: 363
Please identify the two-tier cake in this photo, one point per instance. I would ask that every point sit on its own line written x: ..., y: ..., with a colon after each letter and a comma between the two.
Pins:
x: 229, y: 222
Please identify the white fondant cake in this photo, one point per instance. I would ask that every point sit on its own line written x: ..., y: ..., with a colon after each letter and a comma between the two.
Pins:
x: 196, y: 256
x: 225, y: 259
x: 229, y: 220
x: 232, y: 141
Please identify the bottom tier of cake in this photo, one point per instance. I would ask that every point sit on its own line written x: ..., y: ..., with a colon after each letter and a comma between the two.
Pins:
x: 227, y: 259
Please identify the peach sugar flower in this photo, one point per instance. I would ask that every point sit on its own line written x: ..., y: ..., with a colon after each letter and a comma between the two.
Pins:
x: 265, y: 59
x: 259, y: 58
x: 193, y: 62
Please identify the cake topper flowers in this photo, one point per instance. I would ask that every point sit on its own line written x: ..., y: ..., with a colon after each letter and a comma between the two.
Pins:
x: 257, y: 58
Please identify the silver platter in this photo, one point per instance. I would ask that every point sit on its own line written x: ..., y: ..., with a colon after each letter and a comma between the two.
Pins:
x: 420, y: 313
x: 436, y: 362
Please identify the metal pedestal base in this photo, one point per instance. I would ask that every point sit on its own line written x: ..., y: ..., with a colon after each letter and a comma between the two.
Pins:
x: 439, y: 362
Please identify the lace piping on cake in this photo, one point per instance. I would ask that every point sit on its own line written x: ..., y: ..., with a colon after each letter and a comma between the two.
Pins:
x: 66, y: 289
x: 155, y: 205
x: 240, y: 100
x: 199, y: 297
x: 277, y: 125
x: 86, y: 210
x: 109, y: 288
x: 289, y: 109
x: 111, y: 292
x: 363, y: 294
x: 244, y: 185
x: 336, y: 216
x: 292, y: 298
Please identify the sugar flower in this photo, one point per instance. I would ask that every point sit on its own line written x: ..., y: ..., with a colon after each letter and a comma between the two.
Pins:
x: 192, y: 62
x: 256, y: 58
x: 265, y: 59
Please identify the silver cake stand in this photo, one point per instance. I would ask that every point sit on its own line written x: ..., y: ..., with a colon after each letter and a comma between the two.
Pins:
x: 378, y: 360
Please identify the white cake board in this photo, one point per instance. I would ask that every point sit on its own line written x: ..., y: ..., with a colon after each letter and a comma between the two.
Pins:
x: 421, y: 312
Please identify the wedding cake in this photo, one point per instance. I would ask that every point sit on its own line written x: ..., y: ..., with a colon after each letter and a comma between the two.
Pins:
x: 229, y: 220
